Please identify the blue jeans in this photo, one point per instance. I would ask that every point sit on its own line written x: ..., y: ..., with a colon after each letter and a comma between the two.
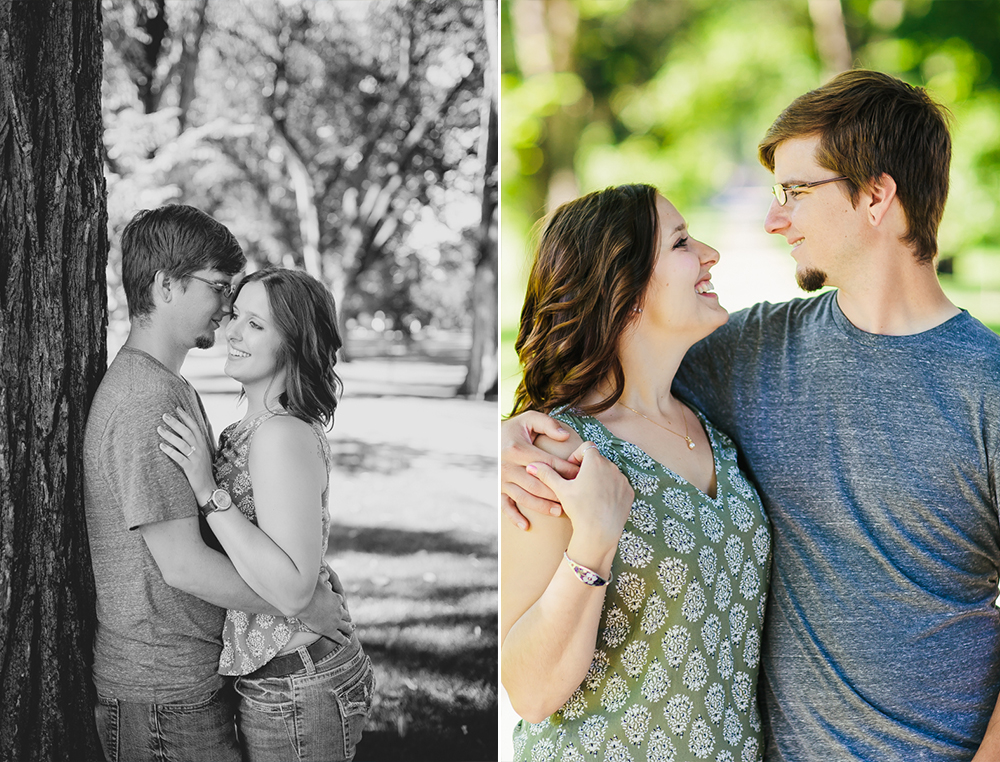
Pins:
x: 202, y: 731
x: 315, y: 712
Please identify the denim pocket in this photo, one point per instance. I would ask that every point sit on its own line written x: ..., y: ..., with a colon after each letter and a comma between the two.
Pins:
x: 355, y: 698
x: 106, y: 718
x: 270, y: 695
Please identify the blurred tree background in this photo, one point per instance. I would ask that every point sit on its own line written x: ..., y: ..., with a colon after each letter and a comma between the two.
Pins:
x: 677, y: 93
x: 350, y: 139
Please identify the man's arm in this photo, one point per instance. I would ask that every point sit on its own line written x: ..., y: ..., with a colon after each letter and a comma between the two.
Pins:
x: 519, y: 490
x: 187, y: 564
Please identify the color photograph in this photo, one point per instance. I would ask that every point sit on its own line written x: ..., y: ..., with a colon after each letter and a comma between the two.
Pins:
x: 750, y: 454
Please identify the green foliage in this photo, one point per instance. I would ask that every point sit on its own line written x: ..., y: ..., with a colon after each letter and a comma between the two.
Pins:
x: 678, y: 94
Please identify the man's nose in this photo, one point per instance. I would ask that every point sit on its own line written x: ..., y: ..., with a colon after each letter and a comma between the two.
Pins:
x: 776, y: 219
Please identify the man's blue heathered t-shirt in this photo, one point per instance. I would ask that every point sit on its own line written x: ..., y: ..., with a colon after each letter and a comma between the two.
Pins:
x: 878, y: 460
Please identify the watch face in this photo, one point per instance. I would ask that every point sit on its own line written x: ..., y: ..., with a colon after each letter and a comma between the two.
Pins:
x: 222, y: 499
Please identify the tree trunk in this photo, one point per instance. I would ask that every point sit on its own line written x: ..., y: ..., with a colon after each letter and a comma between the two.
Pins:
x: 830, y: 34
x: 545, y: 35
x: 152, y: 20
x: 305, y: 200
x: 53, y: 239
x: 188, y: 64
x: 483, y: 366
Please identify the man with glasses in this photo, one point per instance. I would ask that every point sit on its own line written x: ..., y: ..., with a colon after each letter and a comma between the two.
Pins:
x: 162, y: 592
x: 869, y: 417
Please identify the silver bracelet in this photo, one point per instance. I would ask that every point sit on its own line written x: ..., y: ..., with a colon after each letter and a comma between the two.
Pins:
x: 585, y: 575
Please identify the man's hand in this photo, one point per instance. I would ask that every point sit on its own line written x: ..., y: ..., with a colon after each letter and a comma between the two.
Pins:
x: 520, y: 490
x: 327, y: 612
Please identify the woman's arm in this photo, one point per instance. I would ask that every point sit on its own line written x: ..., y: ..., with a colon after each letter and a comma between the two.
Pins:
x: 548, y: 616
x: 279, y: 558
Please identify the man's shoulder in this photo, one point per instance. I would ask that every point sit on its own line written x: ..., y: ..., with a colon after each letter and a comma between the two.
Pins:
x: 976, y: 347
x: 135, y: 388
x: 135, y: 377
x: 765, y: 320
x: 800, y: 308
x: 979, y: 333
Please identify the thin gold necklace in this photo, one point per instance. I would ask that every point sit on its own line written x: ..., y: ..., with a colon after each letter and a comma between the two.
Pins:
x: 682, y: 436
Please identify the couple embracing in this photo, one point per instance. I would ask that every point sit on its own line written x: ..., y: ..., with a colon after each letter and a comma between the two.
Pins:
x: 806, y: 492
x: 221, y: 633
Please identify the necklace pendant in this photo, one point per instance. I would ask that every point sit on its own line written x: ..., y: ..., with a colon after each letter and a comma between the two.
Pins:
x: 690, y: 443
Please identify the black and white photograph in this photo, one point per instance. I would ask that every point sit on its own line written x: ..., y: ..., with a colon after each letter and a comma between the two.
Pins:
x: 249, y: 379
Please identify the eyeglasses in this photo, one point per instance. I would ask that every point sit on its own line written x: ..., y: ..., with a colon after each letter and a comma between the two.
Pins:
x: 226, y: 289
x: 780, y: 190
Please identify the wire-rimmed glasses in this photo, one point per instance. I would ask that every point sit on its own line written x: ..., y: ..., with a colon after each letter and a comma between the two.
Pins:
x: 226, y: 289
x: 780, y: 191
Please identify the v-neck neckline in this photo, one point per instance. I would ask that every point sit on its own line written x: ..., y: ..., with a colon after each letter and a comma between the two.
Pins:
x: 716, y: 461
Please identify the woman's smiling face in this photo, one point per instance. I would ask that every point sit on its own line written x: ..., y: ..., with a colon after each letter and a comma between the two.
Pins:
x: 680, y: 296
x: 254, y: 340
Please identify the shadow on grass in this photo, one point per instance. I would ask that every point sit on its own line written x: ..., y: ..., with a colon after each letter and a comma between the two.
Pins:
x: 466, y: 731
x: 466, y: 664
x: 432, y: 703
x: 434, y: 648
x: 387, y: 541
x: 356, y: 455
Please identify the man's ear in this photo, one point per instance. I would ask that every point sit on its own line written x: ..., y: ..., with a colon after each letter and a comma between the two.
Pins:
x: 881, y: 194
x: 163, y: 286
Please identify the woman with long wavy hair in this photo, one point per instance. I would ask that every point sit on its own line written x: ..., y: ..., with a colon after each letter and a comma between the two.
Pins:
x: 302, y: 696
x: 631, y: 623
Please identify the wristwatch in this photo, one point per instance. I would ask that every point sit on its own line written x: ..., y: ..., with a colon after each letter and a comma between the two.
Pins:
x: 219, y: 501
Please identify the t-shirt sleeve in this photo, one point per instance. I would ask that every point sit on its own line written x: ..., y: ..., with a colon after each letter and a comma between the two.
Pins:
x: 147, y: 484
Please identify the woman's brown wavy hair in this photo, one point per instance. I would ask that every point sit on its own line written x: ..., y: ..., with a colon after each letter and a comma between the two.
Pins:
x: 305, y: 314
x: 595, y: 257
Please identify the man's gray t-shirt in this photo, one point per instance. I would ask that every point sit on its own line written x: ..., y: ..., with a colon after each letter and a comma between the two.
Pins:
x: 878, y: 460
x: 154, y: 643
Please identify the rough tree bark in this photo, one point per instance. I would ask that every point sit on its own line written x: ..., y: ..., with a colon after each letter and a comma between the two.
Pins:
x: 53, y: 253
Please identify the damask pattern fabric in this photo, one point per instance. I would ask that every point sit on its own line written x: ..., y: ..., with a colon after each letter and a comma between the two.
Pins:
x: 674, y: 674
x: 251, y: 640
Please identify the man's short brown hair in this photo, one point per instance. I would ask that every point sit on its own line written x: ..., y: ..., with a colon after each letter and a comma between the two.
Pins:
x: 870, y: 124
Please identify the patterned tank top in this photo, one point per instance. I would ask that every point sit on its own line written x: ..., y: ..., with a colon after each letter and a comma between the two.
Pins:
x: 251, y: 640
x: 674, y: 673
